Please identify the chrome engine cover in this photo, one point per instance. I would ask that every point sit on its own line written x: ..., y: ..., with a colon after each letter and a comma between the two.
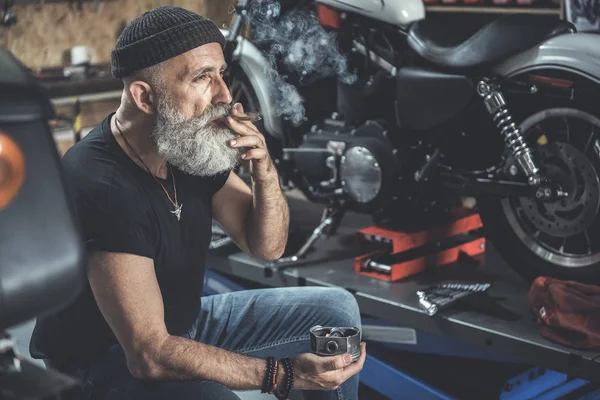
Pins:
x: 360, y: 164
x: 361, y: 174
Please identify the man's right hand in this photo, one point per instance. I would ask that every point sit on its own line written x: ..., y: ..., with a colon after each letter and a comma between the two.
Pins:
x: 313, y: 372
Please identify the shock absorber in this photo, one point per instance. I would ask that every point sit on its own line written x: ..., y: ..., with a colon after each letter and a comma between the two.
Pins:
x: 496, y: 106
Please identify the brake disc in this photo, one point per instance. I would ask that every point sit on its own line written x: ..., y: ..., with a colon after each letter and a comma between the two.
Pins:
x: 568, y: 167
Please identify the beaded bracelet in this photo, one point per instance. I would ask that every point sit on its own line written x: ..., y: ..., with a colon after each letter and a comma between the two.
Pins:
x: 268, y: 381
x: 289, y: 379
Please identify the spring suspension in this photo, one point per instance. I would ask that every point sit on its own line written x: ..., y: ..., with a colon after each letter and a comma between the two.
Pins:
x: 496, y: 106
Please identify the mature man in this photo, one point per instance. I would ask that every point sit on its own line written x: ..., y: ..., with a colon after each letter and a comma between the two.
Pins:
x: 146, y: 184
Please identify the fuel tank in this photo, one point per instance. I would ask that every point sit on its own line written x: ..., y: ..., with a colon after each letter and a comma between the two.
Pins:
x: 396, y: 12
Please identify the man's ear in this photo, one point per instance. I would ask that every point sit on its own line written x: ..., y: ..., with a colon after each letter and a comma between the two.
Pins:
x: 143, y: 96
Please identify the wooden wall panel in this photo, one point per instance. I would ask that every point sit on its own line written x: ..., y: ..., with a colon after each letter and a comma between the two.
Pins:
x: 44, y: 34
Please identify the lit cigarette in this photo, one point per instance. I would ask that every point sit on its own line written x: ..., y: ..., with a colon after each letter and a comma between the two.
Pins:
x: 249, y: 116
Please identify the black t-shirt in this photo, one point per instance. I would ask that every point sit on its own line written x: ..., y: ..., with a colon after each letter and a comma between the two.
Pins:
x: 122, y: 208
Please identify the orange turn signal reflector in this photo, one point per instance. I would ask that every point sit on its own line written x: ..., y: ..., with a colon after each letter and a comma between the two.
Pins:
x: 549, y: 81
x: 328, y: 16
x: 12, y: 169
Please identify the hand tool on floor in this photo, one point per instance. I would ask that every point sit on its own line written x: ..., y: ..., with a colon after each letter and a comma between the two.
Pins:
x: 439, y: 296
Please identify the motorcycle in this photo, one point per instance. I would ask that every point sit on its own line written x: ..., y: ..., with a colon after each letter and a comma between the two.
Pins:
x: 403, y: 118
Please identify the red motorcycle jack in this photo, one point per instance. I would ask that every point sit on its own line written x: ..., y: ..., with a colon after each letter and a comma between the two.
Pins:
x: 405, y: 254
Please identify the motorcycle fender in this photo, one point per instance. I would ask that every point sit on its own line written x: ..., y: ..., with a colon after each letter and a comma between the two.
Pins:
x: 574, y: 52
x: 255, y: 66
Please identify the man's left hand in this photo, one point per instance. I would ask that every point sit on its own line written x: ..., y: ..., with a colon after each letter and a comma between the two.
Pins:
x: 261, y: 165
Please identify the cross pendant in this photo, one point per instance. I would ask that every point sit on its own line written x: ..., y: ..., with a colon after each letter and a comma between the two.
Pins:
x: 177, y: 211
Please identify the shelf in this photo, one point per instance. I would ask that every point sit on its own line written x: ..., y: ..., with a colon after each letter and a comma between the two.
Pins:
x: 493, y: 10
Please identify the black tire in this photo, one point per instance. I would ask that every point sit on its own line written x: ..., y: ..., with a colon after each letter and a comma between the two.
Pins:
x: 520, y: 258
x: 519, y: 255
x: 241, y: 89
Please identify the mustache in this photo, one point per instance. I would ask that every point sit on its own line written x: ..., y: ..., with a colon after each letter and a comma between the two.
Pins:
x: 211, y: 112
x: 217, y: 111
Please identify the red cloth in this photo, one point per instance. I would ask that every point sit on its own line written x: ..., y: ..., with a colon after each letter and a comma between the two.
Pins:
x: 567, y: 312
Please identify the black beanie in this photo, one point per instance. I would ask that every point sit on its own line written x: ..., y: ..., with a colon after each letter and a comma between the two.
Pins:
x: 160, y: 34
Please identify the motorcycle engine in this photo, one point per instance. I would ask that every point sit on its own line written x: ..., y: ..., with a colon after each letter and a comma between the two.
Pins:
x: 359, y: 164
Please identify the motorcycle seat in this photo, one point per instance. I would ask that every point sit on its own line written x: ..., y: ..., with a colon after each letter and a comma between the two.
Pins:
x: 446, y: 46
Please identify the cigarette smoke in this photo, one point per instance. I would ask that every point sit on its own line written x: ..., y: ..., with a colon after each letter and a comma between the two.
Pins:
x: 301, y: 46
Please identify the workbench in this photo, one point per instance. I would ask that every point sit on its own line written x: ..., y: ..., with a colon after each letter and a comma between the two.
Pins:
x: 499, y: 323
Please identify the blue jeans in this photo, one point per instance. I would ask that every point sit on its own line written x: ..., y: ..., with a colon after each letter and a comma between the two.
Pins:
x: 257, y: 323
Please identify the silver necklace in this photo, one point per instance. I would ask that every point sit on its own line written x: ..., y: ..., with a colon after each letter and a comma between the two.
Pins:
x: 176, y: 205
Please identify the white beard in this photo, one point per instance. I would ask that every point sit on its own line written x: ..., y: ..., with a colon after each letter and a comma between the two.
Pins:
x: 195, y: 145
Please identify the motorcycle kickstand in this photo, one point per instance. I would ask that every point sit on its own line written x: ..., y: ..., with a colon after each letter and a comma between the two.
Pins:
x: 330, y: 221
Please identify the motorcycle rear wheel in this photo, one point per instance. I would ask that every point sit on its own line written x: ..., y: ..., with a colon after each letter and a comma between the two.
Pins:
x: 560, y: 239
